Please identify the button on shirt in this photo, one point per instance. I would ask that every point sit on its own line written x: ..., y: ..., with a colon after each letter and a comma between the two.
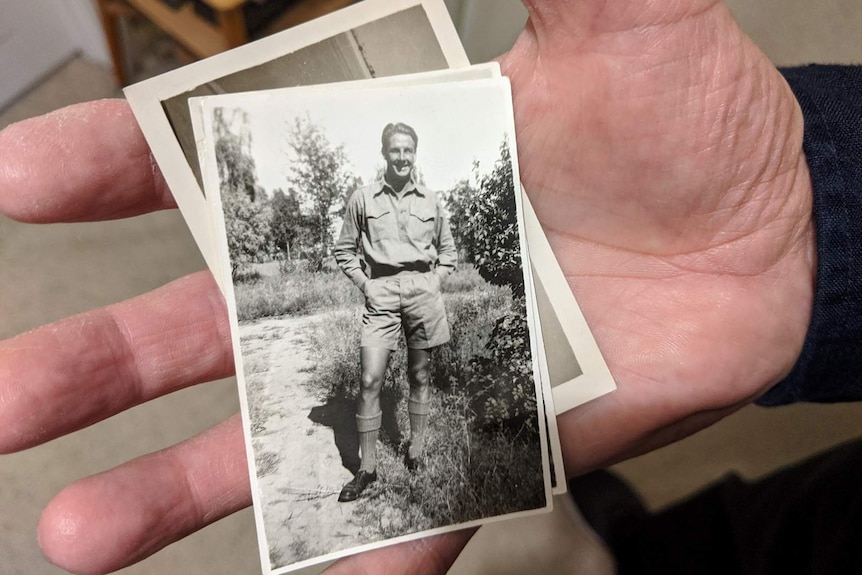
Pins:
x: 396, y: 232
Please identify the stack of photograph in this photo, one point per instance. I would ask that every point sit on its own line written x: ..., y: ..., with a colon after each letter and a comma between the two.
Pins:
x: 401, y: 328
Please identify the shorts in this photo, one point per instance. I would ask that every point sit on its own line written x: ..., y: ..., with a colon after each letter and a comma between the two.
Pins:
x: 412, y: 301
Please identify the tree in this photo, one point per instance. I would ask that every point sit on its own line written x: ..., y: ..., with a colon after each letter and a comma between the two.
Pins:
x: 497, y: 245
x: 322, y: 181
x: 245, y: 206
x: 460, y: 203
x: 236, y: 169
x: 290, y: 228
x: 247, y: 224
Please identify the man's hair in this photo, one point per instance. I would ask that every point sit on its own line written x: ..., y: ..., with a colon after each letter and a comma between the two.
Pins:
x: 399, y: 128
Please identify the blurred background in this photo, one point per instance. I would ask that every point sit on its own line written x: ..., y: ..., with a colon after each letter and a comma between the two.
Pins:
x: 58, y: 52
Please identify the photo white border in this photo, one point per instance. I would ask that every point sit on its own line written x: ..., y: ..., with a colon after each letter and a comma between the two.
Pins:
x: 595, y: 379
x: 559, y: 470
x: 212, y: 185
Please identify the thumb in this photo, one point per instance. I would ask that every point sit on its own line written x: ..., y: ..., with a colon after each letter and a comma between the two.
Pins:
x: 575, y: 21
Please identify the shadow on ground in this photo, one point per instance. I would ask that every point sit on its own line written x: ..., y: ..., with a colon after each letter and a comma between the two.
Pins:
x: 339, y: 414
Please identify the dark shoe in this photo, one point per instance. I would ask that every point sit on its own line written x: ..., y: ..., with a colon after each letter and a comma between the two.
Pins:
x: 357, y: 485
x: 413, y: 464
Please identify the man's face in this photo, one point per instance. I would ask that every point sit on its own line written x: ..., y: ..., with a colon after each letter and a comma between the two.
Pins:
x: 400, y: 156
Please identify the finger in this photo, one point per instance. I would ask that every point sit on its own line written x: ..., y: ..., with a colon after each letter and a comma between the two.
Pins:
x: 121, y: 516
x: 86, y: 162
x: 67, y: 375
x: 429, y: 556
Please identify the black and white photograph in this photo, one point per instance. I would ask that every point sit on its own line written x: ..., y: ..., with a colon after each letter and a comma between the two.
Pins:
x: 386, y: 354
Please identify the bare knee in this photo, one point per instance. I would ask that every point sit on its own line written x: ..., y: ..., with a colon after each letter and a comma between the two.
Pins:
x: 419, y: 377
x: 371, y: 384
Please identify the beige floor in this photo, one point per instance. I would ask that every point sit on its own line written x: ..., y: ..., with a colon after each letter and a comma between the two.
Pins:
x: 51, y: 271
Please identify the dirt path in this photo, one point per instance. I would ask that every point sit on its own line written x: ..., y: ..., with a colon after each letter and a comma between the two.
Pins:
x: 300, y: 469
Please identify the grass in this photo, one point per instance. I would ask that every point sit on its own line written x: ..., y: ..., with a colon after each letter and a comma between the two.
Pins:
x: 468, y: 475
x: 269, y: 294
x: 264, y: 291
x: 255, y: 378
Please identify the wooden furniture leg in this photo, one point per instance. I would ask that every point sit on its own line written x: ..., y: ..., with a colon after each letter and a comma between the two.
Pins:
x: 109, y: 13
x: 232, y: 23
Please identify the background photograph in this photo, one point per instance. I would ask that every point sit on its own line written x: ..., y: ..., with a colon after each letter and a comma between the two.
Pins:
x: 400, y: 43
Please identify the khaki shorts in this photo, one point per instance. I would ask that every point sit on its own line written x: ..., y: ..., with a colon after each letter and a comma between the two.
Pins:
x: 411, y: 301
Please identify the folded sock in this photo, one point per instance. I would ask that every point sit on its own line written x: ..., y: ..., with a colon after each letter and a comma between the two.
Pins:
x: 418, y: 412
x: 369, y: 429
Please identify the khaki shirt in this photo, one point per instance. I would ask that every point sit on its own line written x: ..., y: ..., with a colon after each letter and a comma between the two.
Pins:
x: 395, y: 233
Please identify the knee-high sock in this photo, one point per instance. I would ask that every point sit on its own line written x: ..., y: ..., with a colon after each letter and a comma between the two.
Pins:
x: 369, y: 429
x: 418, y: 412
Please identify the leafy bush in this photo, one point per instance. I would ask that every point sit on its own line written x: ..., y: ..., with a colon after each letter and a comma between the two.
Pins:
x: 485, y: 224
x: 501, y: 382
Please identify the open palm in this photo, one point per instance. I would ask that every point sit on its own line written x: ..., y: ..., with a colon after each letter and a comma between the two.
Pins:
x: 662, y: 152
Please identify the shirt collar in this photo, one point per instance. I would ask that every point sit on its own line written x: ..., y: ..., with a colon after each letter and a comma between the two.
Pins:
x: 411, y: 187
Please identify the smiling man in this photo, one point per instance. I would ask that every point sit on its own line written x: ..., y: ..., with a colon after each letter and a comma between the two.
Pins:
x: 397, y: 248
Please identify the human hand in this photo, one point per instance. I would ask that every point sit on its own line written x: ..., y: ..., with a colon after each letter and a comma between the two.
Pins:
x: 671, y: 152
x: 663, y: 154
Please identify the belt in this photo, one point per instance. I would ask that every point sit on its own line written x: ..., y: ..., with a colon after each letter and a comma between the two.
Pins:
x: 382, y: 271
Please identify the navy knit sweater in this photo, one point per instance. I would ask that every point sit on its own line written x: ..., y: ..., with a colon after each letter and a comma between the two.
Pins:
x: 829, y: 368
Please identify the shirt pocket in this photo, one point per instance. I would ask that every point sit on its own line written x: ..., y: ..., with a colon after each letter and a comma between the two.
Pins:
x: 380, y: 223
x: 422, y: 223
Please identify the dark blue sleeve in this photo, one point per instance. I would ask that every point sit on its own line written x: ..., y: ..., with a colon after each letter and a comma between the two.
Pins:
x: 829, y: 368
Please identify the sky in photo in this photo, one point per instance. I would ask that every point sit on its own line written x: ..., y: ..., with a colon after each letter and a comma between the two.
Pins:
x: 456, y: 123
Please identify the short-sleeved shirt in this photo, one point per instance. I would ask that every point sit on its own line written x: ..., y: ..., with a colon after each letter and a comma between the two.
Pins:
x: 394, y: 232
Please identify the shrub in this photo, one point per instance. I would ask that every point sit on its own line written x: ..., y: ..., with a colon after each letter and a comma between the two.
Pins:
x: 289, y: 267
x: 502, y: 383
x: 485, y: 223
x: 466, y: 280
